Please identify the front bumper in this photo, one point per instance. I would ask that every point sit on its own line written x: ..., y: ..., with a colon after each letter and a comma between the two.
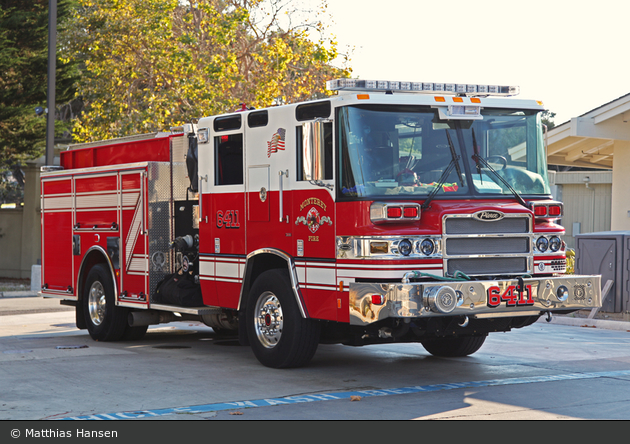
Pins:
x: 373, y: 302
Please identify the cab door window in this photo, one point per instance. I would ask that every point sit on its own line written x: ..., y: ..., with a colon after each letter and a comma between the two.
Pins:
x: 228, y: 159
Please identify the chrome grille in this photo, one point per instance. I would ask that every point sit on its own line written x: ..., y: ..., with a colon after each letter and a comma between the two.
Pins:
x: 492, y: 265
x: 487, y: 245
x: 477, y: 247
x: 468, y: 225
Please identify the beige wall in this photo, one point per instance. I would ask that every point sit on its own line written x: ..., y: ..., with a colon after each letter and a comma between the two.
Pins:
x: 591, y: 207
x: 587, y: 198
x: 620, y: 216
x: 10, y: 244
x: 20, y: 232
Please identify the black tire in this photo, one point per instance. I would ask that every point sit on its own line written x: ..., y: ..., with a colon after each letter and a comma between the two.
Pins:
x: 104, y: 320
x: 454, y: 346
x: 278, y: 334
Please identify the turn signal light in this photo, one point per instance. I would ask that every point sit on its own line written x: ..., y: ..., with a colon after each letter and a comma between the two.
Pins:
x: 379, y: 247
x: 540, y: 211
x: 378, y: 299
x: 410, y: 212
x: 394, y: 212
x: 552, y: 210
x: 399, y: 212
x: 555, y: 210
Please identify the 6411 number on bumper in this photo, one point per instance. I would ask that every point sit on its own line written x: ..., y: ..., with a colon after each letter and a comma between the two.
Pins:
x: 513, y: 296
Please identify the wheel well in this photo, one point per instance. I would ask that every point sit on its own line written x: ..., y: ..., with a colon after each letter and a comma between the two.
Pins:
x: 92, y: 258
x: 258, y: 264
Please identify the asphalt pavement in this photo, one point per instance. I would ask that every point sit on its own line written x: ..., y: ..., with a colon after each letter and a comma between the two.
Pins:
x: 184, y: 371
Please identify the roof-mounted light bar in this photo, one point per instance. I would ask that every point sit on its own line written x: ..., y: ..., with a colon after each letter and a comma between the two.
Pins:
x: 420, y: 87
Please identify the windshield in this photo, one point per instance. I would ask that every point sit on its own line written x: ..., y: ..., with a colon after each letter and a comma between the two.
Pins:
x: 408, y: 151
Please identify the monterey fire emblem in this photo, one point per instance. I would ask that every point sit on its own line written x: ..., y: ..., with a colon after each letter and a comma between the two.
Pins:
x: 313, y: 220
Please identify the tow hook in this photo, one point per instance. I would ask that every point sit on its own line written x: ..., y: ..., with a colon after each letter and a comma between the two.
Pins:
x: 548, y: 316
x: 464, y: 322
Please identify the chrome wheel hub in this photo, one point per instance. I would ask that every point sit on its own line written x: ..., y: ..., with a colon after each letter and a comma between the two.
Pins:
x: 97, y: 303
x: 268, y: 320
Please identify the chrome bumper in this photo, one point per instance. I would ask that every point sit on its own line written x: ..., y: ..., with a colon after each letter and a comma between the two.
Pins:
x: 372, y: 302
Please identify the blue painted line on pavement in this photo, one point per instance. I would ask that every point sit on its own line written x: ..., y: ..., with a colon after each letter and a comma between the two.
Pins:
x: 207, y: 408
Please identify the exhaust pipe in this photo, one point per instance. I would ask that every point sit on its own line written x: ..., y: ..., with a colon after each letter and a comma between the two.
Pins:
x: 142, y: 318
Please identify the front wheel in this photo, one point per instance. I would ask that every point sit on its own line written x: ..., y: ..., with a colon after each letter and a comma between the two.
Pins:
x: 278, y: 334
x: 104, y: 320
x: 453, y: 347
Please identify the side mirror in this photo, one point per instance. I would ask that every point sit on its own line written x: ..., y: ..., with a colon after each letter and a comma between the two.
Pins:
x: 314, y: 149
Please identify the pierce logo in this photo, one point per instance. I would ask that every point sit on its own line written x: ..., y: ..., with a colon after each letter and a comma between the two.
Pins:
x: 488, y: 216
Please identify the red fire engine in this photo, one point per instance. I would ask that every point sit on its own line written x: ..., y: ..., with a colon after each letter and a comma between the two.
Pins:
x: 389, y: 212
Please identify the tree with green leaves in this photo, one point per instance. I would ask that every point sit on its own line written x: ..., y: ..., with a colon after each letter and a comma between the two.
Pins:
x: 23, y: 85
x: 148, y: 65
x: 547, y: 119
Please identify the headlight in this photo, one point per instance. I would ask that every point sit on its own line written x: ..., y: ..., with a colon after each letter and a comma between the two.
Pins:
x: 542, y: 244
x: 427, y: 247
x: 405, y: 247
x: 555, y: 243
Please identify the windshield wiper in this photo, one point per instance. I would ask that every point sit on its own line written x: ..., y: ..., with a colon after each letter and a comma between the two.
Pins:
x: 442, y: 181
x: 454, y: 156
x: 453, y: 163
x: 477, y: 158
x: 476, y: 151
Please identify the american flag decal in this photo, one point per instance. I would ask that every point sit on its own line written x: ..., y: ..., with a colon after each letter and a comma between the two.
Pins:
x: 277, y: 142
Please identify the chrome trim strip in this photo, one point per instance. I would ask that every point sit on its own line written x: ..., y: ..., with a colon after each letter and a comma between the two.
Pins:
x: 142, y: 305
x: 358, y: 247
x: 187, y: 310
x: 507, y: 314
x: 106, y: 168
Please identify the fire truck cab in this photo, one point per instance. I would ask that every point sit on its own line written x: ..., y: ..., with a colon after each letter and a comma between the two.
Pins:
x: 389, y: 212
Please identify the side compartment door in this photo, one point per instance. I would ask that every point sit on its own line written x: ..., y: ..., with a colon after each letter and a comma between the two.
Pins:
x: 57, y: 239
x: 133, y: 257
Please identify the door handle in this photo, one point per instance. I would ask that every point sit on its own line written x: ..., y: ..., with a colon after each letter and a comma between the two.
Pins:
x: 201, y: 179
x: 281, y: 174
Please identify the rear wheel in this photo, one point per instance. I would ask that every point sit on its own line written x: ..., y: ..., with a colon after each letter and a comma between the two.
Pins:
x: 453, y: 346
x: 104, y: 320
x: 278, y: 334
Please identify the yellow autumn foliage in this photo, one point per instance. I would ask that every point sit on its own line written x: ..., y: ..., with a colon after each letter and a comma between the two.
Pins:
x: 149, y: 65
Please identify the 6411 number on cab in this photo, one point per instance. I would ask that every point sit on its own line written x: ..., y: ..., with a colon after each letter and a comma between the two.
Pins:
x: 228, y: 219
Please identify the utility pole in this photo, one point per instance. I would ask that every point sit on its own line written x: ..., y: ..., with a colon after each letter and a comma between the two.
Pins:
x: 52, y: 70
